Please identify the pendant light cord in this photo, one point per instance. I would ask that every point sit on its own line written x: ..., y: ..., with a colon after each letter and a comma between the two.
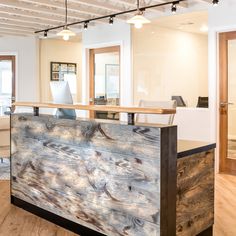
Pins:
x: 66, y: 11
x: 138, y: 5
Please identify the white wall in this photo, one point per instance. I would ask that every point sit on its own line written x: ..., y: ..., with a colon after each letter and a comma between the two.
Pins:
x: 59, y: 51
x: 26, y: 51
x: 169, y: 62
x: 104, y: 36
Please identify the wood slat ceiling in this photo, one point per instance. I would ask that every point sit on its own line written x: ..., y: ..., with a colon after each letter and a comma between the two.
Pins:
x: 23, y: 17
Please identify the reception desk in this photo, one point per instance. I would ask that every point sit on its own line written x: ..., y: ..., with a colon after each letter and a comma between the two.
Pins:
x: 105, y: 178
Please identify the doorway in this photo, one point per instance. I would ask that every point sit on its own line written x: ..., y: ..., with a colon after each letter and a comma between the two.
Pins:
x: 227, y: 60
x: 7, y: 83
x: 104, y: 83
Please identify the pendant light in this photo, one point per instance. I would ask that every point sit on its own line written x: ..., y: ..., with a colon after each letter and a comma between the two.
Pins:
x: 138, y: 20
x: 66, y: 32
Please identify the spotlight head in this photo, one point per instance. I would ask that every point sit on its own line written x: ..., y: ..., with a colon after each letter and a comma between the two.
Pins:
x: 45, y: 34
x: 111, y: 20
x: 173, y: 8
x: 86, y: 25
x: 215, y: 2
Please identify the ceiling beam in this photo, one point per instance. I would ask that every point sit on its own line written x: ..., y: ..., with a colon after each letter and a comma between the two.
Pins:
x: 206, y: 1
x: 183, y: 4
x: 15, y: 29
x: 14, y: 21
x: 29, y: 14
x: 134, y: 5
x: 61, y: 5
x: 105, y: 6
x: 110, y: 8
x: 28, y: 20
x: 78, y: 6
x: 9, y: 33
x: 5, y: 18
x: 23, y: 29
x: 39, y: 9
x: 17, y: 26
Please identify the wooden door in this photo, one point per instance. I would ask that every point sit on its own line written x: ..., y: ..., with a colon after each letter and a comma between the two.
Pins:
x: 11, y: 62
x: 93, y: 97
x: 227, y: 65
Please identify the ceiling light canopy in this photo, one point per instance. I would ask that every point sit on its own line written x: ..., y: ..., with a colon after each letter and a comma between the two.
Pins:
x: 138, y: 20
x: 66, y: 33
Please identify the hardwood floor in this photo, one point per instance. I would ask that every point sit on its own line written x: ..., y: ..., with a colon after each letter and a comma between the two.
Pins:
x: 15, y: 221
x: 225, y: 205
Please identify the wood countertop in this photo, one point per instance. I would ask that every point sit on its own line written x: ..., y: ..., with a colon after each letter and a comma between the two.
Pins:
x: 133, y: 110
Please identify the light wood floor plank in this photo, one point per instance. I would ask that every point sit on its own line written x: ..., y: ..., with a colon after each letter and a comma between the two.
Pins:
x: 15, y: 221
x: 225, y: 205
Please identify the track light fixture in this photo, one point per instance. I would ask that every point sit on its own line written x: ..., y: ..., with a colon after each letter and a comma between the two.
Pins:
x: 66, y: 32
x: 174, y: 7
x: 138, y: 20
x: 111, y: 20
x: 215, y: 2
x: 86, y: 25
x: 45, y: 34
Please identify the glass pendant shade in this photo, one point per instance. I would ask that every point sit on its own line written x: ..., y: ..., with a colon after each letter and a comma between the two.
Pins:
x: 138, y: 20
x: 66, y: 33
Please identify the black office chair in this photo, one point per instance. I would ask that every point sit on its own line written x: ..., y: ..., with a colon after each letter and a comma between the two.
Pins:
x: 202, y: 102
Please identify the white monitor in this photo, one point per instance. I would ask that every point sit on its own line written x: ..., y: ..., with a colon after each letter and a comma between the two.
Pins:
x: 61, y: 94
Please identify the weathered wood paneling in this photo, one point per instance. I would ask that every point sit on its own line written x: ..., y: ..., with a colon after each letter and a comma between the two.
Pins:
x: 103, y: 176
x: 195, y: 193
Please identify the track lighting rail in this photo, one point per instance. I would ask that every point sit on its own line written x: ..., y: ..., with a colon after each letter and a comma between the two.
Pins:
x: 111, y: 15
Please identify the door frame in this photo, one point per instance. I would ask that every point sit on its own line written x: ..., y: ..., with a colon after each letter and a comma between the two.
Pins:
x: 225, y: 164
x: 11, y: 57
x: 92, y: 52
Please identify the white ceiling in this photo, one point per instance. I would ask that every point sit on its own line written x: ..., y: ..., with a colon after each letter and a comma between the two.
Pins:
x: 23, y: 17
x: 188, y: 22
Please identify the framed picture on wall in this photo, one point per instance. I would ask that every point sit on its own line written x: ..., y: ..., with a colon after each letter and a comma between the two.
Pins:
x: 61, y: 70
